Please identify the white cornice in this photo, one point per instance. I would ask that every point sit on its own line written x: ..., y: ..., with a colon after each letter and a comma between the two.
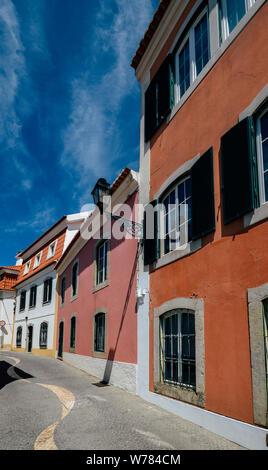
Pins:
x: 159, y: 39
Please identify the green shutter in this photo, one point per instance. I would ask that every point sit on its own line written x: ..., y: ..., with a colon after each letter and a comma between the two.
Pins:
x: 203, y: 207
x: 159, y: 97
x: 150, y: 110
x: 150, y: 246
x: 163, y: 90
x: 237, y: 171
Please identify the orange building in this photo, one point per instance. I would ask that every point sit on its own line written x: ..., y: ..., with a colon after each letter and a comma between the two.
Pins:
x: 202, y: 331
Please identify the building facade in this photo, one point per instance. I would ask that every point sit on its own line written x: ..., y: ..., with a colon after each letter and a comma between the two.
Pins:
x: 8, y: 278
x: 202, y: 329
x: 34, y: 323
x: 97, y: 315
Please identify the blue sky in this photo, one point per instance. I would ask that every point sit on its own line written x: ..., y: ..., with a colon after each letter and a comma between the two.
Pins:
x: 69, y: 107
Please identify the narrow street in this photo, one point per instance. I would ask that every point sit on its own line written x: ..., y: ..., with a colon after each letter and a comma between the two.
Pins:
x: 46, y: 404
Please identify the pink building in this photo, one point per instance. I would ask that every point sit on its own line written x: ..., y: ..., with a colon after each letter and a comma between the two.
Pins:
x: 97, y: 314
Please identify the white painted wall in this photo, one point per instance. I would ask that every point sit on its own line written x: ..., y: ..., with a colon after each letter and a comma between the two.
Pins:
x: 38, y: 314
x: 6, y: 313
x: 121, y: 374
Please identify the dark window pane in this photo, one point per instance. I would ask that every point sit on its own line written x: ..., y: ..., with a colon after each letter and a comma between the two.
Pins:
x: 264, y: 126
x: 168, y: 375
x: 266, y: 185
x: 201, y: 44
x: 265, y: 154
x: 185, y: 373
x: 236, y: 9
x: 192, y: 375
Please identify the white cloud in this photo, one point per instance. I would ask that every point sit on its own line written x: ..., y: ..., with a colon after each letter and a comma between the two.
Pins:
x: 12, y: 68
x: 93, y: 139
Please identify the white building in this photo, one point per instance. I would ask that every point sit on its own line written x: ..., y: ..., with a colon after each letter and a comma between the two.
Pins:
x: 34, y: 322
x: 8, y: 277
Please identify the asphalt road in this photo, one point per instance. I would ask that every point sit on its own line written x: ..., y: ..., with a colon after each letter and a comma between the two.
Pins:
x: 46, y: 404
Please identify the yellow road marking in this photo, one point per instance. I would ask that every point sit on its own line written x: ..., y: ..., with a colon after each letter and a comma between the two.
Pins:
x: 45, y: 440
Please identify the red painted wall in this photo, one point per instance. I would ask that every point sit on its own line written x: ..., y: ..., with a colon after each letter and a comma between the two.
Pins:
x: 232, y: 259
x: 119, y: 297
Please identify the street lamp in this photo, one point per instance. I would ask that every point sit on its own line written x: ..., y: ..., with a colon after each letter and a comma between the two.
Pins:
x: 101, y: 189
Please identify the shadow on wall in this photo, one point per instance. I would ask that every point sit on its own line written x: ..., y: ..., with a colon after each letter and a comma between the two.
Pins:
x: 112, y: 351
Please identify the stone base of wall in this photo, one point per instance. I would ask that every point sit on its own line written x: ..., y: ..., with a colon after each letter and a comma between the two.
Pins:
x: 5, y: 347
x: 43, y: 352
x: 121, y: 374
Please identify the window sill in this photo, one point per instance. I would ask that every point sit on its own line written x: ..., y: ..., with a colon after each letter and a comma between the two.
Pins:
x: 74, y: 297
x: 99, y: 355
x: 191, y: 247
x: 72, y: 350
x: 100, y: 286
x: 257, y: 215
x: 46, y: 303
x: 180, y: 393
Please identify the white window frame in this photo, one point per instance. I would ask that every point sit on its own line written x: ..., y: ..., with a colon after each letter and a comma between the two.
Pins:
x: 27, y: 267
x: 162, y: 219
x: 224, y: 20
x: 49, y: 254
x: 192, y: 59
x: 260, y: 159
x: 37, y: 260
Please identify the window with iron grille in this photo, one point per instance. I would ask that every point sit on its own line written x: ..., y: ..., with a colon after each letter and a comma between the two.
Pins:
x: 177, y: 358
x: 18, y: 337
x: 102, y: 263
x: 43, y: 335
x: 62, y: 290
x: 265, y: 331
x: 74, y: 279
x: 22, y: 300
x: 99, y: 336
x: 73, y: 332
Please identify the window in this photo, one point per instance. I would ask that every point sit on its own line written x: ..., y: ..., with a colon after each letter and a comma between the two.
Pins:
x: 43, y: 335
x: 159, y: 97
x: 99, y: 332
x: 19, y: 337
x: 62, y: 290
x: 177, y: 361
x: 265, y: 334
x: 37, y: 260
x: 51, y: 249
x: 177, y: 216
x: 187, y: 213
x: 27, y: 267
x: 193, y: 54
x: 231, y: 12
x: 47, y: 290
x: 101, y: 263
x: 262, y: 154
x: 73, y: 331
x: 74, y: 279
x: 32, y: 301
x: 22, y: 300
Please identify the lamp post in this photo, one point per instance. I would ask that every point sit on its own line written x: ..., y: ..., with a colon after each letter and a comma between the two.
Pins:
x: 100, y: 190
